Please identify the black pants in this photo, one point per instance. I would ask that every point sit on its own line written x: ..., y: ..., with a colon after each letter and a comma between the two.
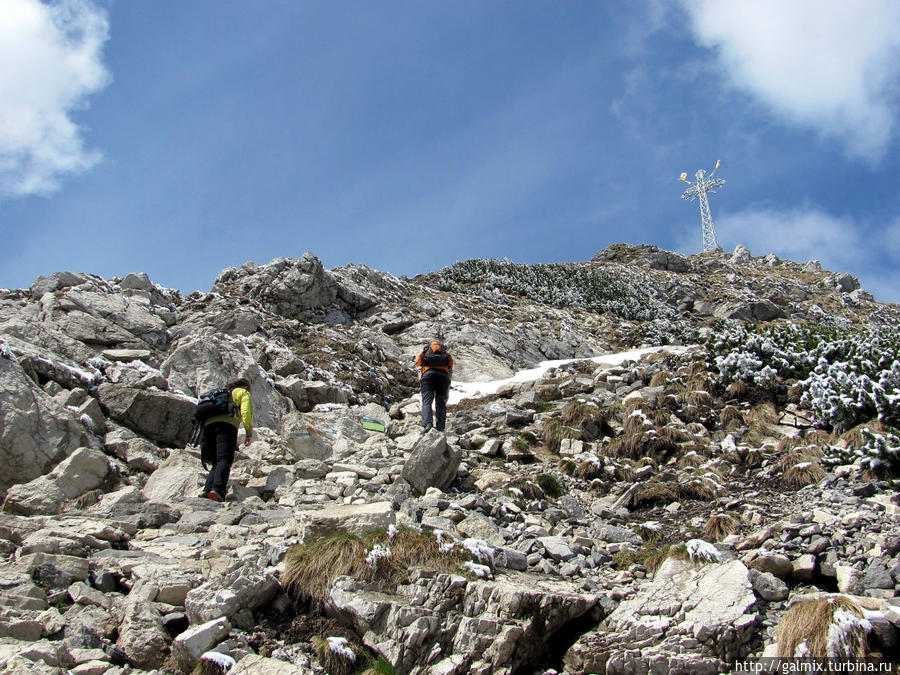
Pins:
x: 435, y: 386
x: 220, y: 441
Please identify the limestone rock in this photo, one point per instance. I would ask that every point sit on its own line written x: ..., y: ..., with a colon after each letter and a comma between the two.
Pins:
x: 142, y: 635
x: 705, y: 616
x: 157, y: 415
x: 353, y: 518
x: 189, y: 646
x: 179, y: 476
x: 243, y: 587
x: 433, y: 463
x: 199, y: 364
x: 35, y: 431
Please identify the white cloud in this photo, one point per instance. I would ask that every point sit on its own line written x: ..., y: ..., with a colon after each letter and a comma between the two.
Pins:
x: 50, y: 62
x: 830, y: 65
x: 840, y: 243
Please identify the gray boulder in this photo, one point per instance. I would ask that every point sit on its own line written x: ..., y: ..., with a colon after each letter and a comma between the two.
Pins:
x: 177, y: 478
x: 158, y: 415
x: 242, y: 587
x: 356, y: 519
x: 94, y: 315
x: 55, y: 282
x: 433, y: 463
x: 741, y: 255
x: 644, y: 255
x: 142, y: 635
x: 769, y: 587
x: 203, y: 363
x: 35, y: 431
x: 83, y: 470
x: 293, y: 287
x: 689, y: 619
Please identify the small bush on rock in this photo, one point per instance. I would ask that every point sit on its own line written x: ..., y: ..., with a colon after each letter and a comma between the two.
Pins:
x: 804, y: 473
x: 550, y: 485
x: 335, y: 655
x: 719, y: 526
x: 383, y: 557
x: 831, y: 627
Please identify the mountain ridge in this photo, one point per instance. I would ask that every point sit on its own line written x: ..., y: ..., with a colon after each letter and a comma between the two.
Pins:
x: 763, y: 421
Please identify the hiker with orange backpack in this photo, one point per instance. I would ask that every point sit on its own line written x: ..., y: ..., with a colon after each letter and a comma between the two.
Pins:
x: 435, y: 372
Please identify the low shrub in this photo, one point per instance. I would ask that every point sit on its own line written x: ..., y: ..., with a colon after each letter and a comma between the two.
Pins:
x: 830, y: 627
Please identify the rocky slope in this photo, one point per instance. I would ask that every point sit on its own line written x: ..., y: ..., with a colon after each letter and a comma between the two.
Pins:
x: 658, y: 512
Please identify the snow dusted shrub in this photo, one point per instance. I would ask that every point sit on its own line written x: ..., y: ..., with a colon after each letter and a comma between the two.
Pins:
x: 719, y: 526
x: 804, y: 473
x: 335, y: 655
x: 702, y: 551
x: 832, y: 627
x: 844, y: 393
x: 847, y: 375
x: 877, y: 453
x: 561, y: 285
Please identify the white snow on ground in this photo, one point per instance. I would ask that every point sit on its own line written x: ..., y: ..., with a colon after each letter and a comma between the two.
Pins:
x: 462, y: 390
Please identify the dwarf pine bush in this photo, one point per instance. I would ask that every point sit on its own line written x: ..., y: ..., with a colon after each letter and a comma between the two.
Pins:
x: 880, y: 453
x: 847, y: 375
x: 561, y: 285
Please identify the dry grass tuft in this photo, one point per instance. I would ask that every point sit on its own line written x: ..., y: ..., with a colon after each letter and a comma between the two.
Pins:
x: 730, y: 418
x: 762, y: 414
x: 701, y: 382
x: 529, y: 490
x: 589, y: 470
x: 827, y: 627
x: 819, y: 437
x: 666, y: 402
x: 855, y: 438
x: 634, y: 403
x: 670, y: 434
x: 311, y: 567
x: 628, y: 446
x: 655, y: 493
x: 575, y: 411
x: 660, y: 418
x: 698, y: 445
x: 690, y: 460
x: 694, y: 398
x: 804, y: 473
x: 698, y: 368
x: 719, y: 526
x: 554, y: 430
x: 636, y: 423
x: 799, y: 454
x: 701, y: 488
x: 624, y: 472
x: 790, y: 442
x: 334, y: 661
x: 739, y: 390
x: 660, y: 379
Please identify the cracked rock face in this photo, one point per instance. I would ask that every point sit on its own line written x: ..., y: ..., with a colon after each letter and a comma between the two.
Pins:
x: 695, y: 619
x: 565, y: 484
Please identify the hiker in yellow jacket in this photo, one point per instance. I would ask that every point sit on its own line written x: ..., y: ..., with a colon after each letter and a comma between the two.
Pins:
x: 436, y: 370
x: 220, y: 439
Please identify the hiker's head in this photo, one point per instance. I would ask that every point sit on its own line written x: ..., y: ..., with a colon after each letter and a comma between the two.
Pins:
x: 436, y: 346
x: 241, y: 382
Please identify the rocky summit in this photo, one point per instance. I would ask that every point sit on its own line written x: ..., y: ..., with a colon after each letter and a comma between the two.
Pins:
x: 652, y: 463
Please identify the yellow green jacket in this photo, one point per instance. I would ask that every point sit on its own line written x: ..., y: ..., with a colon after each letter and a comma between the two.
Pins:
x: 243, y: 411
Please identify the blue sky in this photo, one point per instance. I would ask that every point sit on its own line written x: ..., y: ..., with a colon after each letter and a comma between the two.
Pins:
x: 181, y: 138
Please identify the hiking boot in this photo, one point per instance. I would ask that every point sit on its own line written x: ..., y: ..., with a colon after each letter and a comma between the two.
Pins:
x: 215, y: 496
